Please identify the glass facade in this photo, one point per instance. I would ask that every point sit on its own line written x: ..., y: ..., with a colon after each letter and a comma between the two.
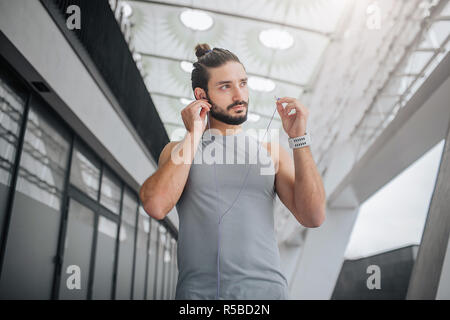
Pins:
x: 70, y: 227
x: 160, y: 262
x: 36, y: 209
x: 111, y: 191
x: 85, y: 172
x: 77, y: 252
x: 143, y: 230
x: 13, y: 98
x: 104, y: 258
x: 126, y: 246
x: 152, y: 259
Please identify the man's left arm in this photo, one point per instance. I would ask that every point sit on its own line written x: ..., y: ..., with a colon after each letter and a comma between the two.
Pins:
x: 298, y: 182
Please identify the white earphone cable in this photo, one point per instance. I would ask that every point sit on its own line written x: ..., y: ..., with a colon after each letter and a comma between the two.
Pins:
x: 217, y: 194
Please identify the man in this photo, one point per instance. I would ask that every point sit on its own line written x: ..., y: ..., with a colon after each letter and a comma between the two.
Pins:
x: 227, y: 246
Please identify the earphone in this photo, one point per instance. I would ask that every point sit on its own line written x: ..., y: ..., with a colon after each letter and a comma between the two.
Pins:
x: 232, y: 205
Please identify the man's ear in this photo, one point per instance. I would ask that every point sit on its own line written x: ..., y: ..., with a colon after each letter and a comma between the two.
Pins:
x: 199, y: 93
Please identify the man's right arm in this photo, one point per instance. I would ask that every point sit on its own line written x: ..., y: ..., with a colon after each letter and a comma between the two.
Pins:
x: 161, y: 191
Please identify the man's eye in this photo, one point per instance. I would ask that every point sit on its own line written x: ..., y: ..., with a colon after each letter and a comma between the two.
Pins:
x: 224, y: 86
x: 244, y: 83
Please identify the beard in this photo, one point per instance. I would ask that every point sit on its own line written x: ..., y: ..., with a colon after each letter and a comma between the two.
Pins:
x: 217, y: 113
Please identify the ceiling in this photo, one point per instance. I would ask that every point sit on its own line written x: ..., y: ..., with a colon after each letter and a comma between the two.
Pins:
x: 340, y: 60
x: 353, y: 63
x: 163, y: 41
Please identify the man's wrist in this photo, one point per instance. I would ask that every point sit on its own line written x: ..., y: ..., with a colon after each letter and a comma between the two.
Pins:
x: 195, y: 133
x: 295, y: 135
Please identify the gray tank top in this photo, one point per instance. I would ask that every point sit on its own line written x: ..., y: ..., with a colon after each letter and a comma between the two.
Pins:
x: 249, y: 259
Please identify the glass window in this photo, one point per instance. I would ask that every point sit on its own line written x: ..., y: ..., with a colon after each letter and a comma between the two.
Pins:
x: 141, y: 250
x: 77, y: 252
x: 375, y: 230
x: 36, y: 211
x: 126, y: 246
x: 152, y: 260
x: 104, y: 259
x: 110, y: 191
x: 175, y: 270
x: 172, y: 280
x: 12, y: 106
x: 166, y: 270
x: 44, y: 159
x: 160, y: 262
x: 85, y: 172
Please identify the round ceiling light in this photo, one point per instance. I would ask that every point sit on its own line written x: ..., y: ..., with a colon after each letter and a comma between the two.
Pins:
x: 276, y: 39
x: 127, y: 11
x: 261, y: 84
x: 196, y: 19
x: 187, y: 66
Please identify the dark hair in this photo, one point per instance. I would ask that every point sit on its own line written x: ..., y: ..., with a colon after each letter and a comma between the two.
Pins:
x: 208, y: 58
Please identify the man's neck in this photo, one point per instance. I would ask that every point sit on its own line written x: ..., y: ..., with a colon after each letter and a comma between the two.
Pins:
x: 223, y: 128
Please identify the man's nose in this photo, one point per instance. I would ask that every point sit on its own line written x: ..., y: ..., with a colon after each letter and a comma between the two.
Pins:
x: 238, y: 94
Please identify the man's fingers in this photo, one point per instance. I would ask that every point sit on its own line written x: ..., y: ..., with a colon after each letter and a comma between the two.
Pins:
x: 197, y: 102
x: 205, y: 108
x: 280, y: 110
x: 203, y: 113
x: 289, y: 108
x: 286, y: 99
x: 195, y: 106
x: 204, y: 104
x: 284, y: 111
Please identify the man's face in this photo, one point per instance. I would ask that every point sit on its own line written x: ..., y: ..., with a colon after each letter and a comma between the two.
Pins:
x: 228, y: 93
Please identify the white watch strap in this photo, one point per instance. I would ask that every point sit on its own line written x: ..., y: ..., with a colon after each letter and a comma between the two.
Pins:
x: 300, y: 142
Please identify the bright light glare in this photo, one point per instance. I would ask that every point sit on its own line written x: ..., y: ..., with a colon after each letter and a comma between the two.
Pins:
x: 166, y: 256
x: 196, y: 20
x: 185, y: 101
x: 187, y: 66
x: 127, y: 10
x: 253, y: 117
x: 261, y: 84
x: 276, y: 39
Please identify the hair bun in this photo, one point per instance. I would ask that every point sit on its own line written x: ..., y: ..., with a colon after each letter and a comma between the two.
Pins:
x: 201, y: 50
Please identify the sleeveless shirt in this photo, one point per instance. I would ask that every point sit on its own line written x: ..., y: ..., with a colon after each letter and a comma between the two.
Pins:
x: 249, y: 261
